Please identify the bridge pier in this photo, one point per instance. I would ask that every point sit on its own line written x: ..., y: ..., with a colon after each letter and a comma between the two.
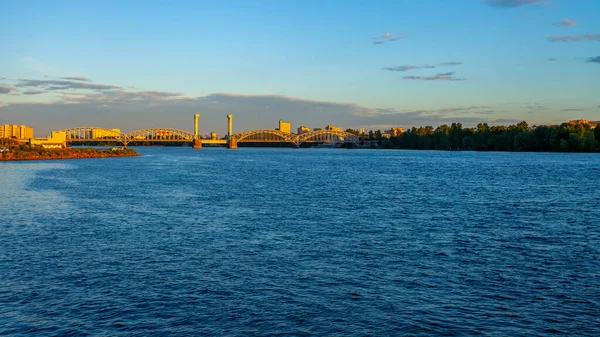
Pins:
x: 231, y: 143
x: 197, y: 143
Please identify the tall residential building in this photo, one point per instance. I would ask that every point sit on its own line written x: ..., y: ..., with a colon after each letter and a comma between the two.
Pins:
x: 285, y: 126
x: 303, y: 129
x: 20, y: 132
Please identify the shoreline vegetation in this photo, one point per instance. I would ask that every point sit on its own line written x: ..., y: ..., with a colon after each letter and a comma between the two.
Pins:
x: 25, y: 152
x: 567, y: 137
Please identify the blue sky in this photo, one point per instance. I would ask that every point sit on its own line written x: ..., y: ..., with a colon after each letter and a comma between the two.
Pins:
x: 350, y: 63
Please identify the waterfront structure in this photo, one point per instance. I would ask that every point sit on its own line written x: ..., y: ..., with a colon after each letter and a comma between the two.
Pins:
x: 86, y: 134
x: 285, y: 126
x: 332, y: 128
x: 18, y: 132
x: 57, y: 140
x: 303, y: 129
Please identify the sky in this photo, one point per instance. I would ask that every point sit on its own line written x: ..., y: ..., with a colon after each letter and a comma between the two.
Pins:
x: 138, y: 64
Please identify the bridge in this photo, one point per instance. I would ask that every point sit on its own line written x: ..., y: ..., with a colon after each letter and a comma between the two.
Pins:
x: 89, y: 134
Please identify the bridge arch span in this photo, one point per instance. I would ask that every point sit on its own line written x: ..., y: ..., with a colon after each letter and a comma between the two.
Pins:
x: 159, y: 134
x: 263, y: 135
x: 327, y: 136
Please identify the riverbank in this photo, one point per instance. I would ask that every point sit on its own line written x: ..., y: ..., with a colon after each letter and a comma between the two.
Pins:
x: 38, y: 153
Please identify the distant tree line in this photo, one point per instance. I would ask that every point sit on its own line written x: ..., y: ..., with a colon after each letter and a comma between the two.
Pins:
x: 567, y: 137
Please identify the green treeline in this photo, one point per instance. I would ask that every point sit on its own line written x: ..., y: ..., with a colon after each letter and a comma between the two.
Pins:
x: 567, y: 137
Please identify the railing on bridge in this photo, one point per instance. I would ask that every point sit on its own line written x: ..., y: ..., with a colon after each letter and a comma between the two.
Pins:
x: 95, y: 134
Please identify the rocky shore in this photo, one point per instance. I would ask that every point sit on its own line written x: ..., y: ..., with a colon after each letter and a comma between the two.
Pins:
x: 39, y: 153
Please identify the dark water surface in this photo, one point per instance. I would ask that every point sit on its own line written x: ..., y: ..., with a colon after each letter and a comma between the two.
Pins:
x: 301, y: 242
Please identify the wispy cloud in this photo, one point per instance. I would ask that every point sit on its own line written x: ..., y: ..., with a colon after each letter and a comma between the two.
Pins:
x: 33, y: 92
x: 565, y: 23
x: 594, y: 59
x: 470, y: 115
x: 443, y: 76
x: 533, y: 108
x: 574, y: 38
x: 551, y: 59
x: 473, y: 109
x: 512, y: 3
x: 411, y: 67
x: 407, y: 67
x: 122, y: 97
x: 76, y: 78
x: 7, y: 89
x: 53, y: 85
x: 387, y: 37
x: 451, y: 63
x: 571, y: 109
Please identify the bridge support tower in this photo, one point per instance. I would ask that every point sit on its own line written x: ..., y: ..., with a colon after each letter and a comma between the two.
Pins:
x: 231, y: 143
x: 197, y: 143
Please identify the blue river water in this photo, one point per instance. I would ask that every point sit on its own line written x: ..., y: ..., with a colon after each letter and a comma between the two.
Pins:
x: 259, y: 242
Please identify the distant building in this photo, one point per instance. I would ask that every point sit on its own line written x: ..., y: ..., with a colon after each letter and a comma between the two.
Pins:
x: 19, y: 132
x: 317, y: 129
x: 285, y: 126
x: 361, y: 131
x: 213, y: 135
x: 592, y: 124
x: 395, y: 132
x: 57, y: 139
x: 303, y: 129
x: 333, y: 128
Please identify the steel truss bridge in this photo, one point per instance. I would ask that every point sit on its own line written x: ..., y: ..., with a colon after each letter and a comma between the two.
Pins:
x: 85, y: 134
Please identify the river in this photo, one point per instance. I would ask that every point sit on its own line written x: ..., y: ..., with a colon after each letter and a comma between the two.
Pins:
x: 317, y: 242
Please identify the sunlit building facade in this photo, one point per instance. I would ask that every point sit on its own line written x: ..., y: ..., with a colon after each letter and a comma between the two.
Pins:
x: 57, y: 139
x: 333, y: 128
x: 285, y: 126
x: 303, y: 129
x: 19, y: 132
